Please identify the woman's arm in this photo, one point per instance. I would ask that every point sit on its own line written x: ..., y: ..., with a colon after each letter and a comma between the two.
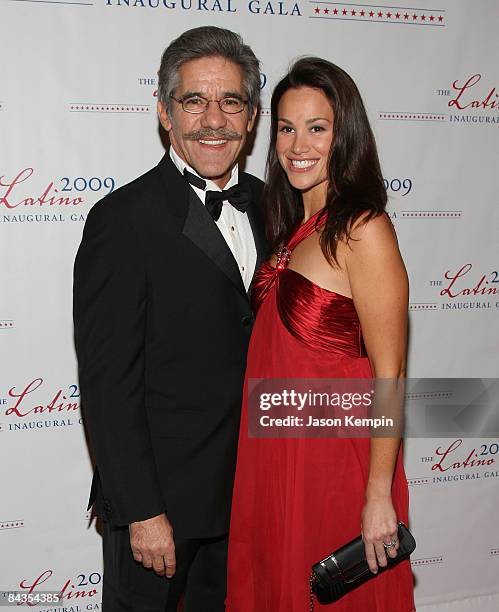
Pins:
x: 380, y: 292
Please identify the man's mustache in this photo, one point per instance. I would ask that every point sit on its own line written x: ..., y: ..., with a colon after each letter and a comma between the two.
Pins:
x: 222, y: 134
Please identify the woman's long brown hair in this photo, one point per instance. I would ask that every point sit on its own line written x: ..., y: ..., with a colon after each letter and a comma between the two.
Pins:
x: 355, y: 182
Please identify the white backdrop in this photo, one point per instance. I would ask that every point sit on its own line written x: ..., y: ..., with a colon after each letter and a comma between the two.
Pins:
x: 77, y: 116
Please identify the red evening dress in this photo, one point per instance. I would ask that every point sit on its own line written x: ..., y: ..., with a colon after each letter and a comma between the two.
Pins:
x: 298, y: 499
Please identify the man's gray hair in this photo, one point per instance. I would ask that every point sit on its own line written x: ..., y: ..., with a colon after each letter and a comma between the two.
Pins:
x: 208, y: 41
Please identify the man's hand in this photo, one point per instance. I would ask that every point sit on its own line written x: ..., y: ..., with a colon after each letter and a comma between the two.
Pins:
x: 152, y: 544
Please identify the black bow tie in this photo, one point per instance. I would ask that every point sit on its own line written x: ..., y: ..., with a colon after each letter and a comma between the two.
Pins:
x: 236, y: 195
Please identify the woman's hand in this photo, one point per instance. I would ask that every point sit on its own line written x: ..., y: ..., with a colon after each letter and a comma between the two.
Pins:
x: 379, y: 526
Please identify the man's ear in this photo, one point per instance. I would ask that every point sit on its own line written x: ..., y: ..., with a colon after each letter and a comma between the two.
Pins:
x: 251, y: 122
x: 164, y: 117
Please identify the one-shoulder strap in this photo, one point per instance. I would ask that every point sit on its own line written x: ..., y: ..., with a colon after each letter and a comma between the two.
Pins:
x: 305, y: 230
x: 267, y: 275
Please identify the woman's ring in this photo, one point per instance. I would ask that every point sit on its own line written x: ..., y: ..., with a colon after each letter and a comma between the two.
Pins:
x: 391, y: 545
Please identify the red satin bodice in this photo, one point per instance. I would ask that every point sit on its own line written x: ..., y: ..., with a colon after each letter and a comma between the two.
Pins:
x: 318, y: 317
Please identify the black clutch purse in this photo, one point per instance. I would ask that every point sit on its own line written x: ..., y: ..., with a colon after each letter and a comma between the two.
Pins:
x: 347, y: 568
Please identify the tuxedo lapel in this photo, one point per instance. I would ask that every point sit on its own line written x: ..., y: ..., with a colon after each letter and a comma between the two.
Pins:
x: 256, y: 222
x: 200, y: 228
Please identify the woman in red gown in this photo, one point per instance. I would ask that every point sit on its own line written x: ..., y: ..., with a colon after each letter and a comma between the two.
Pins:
x: 333, y: 304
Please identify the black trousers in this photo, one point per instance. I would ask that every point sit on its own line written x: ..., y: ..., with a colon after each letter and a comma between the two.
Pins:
x: 130, y: 587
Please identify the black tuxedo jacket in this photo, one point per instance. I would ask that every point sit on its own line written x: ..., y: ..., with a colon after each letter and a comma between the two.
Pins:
x: 162, y: 323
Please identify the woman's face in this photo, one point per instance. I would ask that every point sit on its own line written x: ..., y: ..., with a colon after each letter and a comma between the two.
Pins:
x: 305, y: 137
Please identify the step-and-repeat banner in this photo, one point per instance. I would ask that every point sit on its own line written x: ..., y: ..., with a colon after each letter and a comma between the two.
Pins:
x: 77, y: 120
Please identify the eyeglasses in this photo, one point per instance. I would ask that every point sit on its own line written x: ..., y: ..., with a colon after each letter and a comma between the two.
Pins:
x: 198, y: 104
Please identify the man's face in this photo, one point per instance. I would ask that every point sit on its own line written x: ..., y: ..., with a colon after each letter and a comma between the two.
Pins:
x: 210, y: 142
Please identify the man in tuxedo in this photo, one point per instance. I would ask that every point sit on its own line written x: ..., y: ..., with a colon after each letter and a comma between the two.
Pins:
x: 162, y: 323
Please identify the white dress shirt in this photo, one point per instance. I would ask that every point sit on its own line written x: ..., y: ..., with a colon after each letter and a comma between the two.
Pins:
x: 233, y: 224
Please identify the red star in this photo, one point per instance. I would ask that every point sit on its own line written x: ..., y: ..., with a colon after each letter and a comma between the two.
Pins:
x: 335, y: 11
x: 440, y: 18
x: 389, y: 15
x: 397, y: 15
x: 326, y: 11
x: 362, y: 13
x: 344, y: 11
x: 353, y: 13
x: 414, y: 16
x: 371, y: 14
x: 406, y: 16
x: 432, y: 18
x: 423, y: 17
x: 380, y: 14
x: 317, y: 10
